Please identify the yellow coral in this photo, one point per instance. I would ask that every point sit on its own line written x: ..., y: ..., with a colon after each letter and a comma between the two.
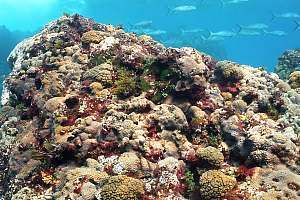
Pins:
x: 210, y: 156
x: 96, y: 88
x: 92, y: 37
x: 121, y: 188
x: 215, y: 184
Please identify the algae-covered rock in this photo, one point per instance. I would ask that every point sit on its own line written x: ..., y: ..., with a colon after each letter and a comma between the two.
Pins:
x: 284, y: 181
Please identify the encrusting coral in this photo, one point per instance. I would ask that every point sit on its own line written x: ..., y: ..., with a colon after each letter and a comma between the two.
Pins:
x: 90, y: 111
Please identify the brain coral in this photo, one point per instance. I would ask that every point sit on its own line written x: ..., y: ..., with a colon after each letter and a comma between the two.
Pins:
x: 120, y: 188
x: 214, y: 184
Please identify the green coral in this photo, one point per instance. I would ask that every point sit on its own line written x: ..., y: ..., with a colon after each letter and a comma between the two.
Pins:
x: 144, y: 85
x: 148, y: 64
x: 163, y: 89
x: 98, y: 60
x: 58, y: 43
x: 210, y: 157
x: 120, y: 187
x: 126, y: 85
x: 190, y: 182
x: 214, y: 140
x: 215, y: 184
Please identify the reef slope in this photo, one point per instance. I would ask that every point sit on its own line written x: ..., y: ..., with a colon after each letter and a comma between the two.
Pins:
x: 92, y: 112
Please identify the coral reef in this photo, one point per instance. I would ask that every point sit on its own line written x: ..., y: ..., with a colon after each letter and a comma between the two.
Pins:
x: 288, y: 62
x: 92, y: 112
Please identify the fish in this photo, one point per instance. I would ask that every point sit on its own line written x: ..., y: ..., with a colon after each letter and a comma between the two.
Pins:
x: 186, y: 31
x: 222, y: 34
x: 297, y: 25
x: 249, y: 32
x: 172, y: 42
x: 212, y: 38
x: 143, y: 24
x: 201, y: 2
x: 275, y: 33
x: 156, y: 32
x: 232, y: 2
x: 288, y: 15
x: 184, y: 8
x: 259, y: 26
x: 139, y: 31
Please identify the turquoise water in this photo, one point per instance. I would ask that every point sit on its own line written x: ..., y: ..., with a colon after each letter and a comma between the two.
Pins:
x: 259, y: 47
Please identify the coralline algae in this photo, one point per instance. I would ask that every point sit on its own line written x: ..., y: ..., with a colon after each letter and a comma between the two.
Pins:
x: 92, y: 112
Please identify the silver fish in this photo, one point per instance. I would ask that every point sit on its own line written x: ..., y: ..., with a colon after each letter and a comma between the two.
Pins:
x: 288, y: 15
x: 246, y: 32
x: 233, y: 2
x: 297, y: 25
x: 212, y: 38
x: 184, y: 31
x: 254, y: 26
x: 146, y: 23
x: 184, y: 8
x: 140, y: 31
x: 156, y: 32
x: 276, y: 33
x: 222, y: 34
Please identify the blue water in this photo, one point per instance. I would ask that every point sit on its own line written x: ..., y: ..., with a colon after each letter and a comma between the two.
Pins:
x: 210, y: 15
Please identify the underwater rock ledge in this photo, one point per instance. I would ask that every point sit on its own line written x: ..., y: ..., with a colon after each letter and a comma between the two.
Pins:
x: 92, y: 112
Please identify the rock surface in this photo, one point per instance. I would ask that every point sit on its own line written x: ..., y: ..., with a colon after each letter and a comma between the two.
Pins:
x: 92, y: 112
